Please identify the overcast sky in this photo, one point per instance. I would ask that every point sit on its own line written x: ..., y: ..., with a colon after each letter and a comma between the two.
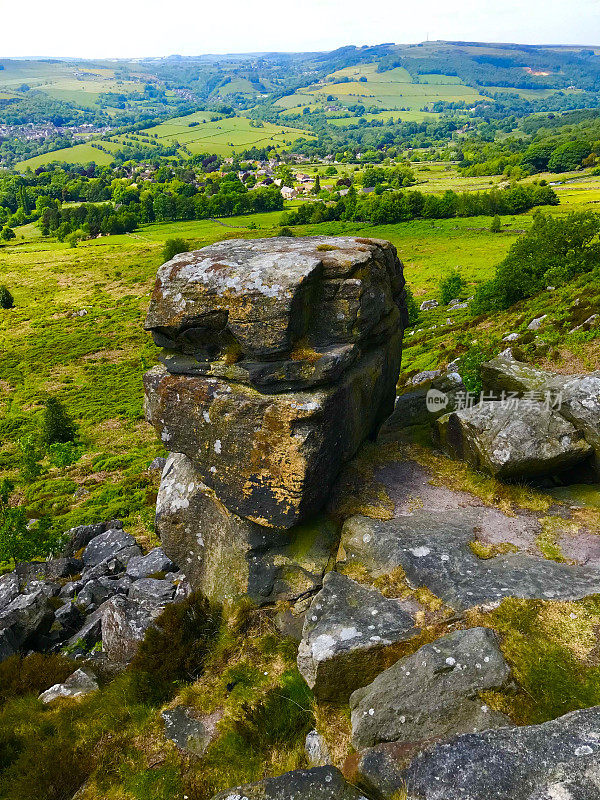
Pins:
x: 126, y: 28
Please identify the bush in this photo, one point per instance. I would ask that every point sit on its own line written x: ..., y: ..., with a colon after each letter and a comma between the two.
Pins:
x: 496, y: 225
x: 450, y: 287
x: 412, y: 307
x: 175, y: 648
x: 553, y: 251
x: 285, y: 231
x: 63, y: 454
x: 57, y: 425
x: 471, y: 361
x: 173, y: 247
x: 6, y: 298
x: 32, y: 674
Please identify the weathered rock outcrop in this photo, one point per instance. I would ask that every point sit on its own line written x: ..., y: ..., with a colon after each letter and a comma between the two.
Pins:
x: 282, y: 359
x: 351, y: 633
x: 576, y: 397
x: 224, y: 555
x: 557, y: 760
x: 433, y: 693
x: 510, y: 443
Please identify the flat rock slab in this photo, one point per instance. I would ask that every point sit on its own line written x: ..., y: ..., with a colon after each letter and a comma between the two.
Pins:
x: 272, y: 458
x: 266, y: 294
x: 350, y: 635
x: 191, y: 732
x: 433, y: 550
x: 320, y: 783
x: 509, y: 443
x: 433, y: 693
x: 225, y: 556
x: 558, y: 760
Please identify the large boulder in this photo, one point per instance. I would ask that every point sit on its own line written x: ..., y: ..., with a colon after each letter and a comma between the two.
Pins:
x: 320, y: 783
x: 433, y: 550
x: 282, y: 358
x: 433, y: 693
x: 575, y: 397
x: 224, y: 555
x: 26, y: 617
x: 558, y: 760
x: 351, y: 634
x: 510, y: 443
x: 273, y: 457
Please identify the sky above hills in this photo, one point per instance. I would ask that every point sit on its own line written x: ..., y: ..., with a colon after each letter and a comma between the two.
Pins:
x: 114, y: 28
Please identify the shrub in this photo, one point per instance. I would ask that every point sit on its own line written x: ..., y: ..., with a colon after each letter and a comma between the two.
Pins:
x: 553, y: 251
x: 175, y: 648
x: 285, y: 231
x: 451, y: 286
x: 496, y: 225
x: 6, y: 298
x: 63, y: 454
x: 412, y: 307
x: 57, y: 425
x: 471, y: 361
x: 32, y: 674
x: 173, y: 247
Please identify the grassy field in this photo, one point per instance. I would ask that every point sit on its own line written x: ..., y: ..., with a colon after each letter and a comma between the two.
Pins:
x: 78, y: 154
x: 393, y: 89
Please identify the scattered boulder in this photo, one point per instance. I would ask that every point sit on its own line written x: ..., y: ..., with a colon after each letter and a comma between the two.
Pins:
x: 536, y: 323
x: 145, y: 566
x: 556, y: 760
x: 77, y: 538
x: 424, y: 405
x: 224, y: 555
x: 26, y: 617
x: 574, y: 397
x: 531, y: 441
x: 428, y: 305
x: 124, y: 625
x: 111, y: 544
x: 434, y: 693
x: 153, y: 589
x: 80, y: 683
x: 433, y: 551
x: 351, y: 633
x: 9, y: 589
x: 192, y: 733
x: 320, y: 783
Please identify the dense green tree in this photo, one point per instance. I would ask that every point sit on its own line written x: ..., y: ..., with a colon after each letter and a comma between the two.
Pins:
x: 57, y: 424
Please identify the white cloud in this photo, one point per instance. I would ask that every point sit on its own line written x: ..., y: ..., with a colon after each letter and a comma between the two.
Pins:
x: 127, y: 28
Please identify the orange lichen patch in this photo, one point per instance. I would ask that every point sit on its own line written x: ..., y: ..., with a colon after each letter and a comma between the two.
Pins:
x: 304, y: 352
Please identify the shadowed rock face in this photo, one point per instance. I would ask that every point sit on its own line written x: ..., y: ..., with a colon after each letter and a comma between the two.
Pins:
x: 282, y: 359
